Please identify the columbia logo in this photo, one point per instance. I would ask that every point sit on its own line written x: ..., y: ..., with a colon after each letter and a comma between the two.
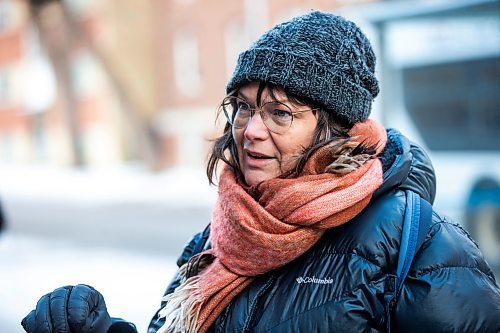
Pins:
x: 313, y: 279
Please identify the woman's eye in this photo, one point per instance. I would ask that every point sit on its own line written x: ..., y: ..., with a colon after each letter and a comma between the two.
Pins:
x: 243, y: 106
x: 281, y: 113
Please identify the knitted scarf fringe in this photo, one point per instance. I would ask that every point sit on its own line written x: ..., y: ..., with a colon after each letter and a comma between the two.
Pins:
x: 183, y: 306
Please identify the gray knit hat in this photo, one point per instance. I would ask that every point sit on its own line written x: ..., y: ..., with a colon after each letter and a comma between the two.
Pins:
x: 320, y: 56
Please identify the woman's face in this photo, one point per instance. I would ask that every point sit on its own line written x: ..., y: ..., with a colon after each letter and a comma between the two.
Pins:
x: 263, y: 154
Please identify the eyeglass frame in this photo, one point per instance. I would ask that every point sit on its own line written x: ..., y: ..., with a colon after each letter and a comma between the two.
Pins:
x: 230, y: 120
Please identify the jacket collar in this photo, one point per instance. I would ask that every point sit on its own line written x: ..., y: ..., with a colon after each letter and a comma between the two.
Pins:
x: 406, y: 166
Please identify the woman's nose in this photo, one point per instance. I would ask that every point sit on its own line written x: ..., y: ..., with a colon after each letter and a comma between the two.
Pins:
x: 256, y: 129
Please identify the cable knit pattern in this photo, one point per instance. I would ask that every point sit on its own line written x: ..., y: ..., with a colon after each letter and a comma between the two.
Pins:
x: 319, y: 55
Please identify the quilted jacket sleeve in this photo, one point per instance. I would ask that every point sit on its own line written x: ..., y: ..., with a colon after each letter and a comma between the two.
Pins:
x: 450, y: 287
x: 197, y: 243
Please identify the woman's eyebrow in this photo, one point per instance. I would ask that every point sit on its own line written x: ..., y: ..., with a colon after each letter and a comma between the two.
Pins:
x: 242, y: 95
x: 273, y: 99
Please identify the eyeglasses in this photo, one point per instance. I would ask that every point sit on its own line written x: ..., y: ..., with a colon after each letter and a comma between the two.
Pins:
x: 277, y: 117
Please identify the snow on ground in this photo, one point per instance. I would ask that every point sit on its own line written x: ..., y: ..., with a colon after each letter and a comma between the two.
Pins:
x: 179, y: 186
x: 132, y: 283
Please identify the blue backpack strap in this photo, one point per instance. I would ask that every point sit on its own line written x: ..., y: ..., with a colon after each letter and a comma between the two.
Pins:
x: 416, y: 223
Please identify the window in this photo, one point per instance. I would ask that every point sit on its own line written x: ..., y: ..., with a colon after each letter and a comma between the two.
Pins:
x: 235, y: 42
x: 4, y: 87
x: 456, y: 106
x: 4, y: 15
x: 186, y: 62
x: 86, y: 76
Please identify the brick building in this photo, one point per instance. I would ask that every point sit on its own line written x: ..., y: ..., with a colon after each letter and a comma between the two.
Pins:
x: 139, y: 79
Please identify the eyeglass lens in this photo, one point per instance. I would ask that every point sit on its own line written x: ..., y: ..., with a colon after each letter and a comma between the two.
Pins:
x: 276, y: 116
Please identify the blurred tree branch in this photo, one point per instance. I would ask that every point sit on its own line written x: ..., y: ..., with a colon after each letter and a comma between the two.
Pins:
x: 60, y: 32
x: 48, y: 18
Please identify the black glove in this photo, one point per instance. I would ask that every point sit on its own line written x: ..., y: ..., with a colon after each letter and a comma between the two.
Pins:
x: 70, y: 309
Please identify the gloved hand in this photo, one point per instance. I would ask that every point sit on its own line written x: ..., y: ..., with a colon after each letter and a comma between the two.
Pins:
x: 70, y: 309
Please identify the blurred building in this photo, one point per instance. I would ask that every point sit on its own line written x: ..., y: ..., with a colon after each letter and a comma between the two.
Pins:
x: 439, y: 65
x: 14, y: 127
x: 103, y: 82
x: 44, y: 106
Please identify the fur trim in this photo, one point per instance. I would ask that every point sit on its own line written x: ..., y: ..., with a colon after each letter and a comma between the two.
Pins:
x: 345, y: 160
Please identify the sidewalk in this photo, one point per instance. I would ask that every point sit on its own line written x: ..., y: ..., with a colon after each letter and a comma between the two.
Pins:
x: 121, y: 207
x: 179, y: 186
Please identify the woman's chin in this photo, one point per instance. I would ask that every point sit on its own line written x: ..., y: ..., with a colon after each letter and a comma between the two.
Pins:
x: 253, y: 177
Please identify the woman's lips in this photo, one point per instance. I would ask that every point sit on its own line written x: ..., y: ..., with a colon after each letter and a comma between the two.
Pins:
x: 256, y: 160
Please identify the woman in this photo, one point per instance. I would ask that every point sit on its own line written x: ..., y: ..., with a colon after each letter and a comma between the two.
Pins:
x: 307, y: 229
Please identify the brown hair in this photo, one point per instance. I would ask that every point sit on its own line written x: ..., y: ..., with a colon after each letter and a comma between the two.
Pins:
x: 329, y: 128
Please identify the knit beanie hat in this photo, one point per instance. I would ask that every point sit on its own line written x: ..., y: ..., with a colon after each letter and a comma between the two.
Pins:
x: 320, y: 56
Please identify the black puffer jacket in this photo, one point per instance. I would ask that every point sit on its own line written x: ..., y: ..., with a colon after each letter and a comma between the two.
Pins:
x: 339, y: 284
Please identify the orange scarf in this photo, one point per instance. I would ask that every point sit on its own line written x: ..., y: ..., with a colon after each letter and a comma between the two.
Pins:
x: 255, y: 230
